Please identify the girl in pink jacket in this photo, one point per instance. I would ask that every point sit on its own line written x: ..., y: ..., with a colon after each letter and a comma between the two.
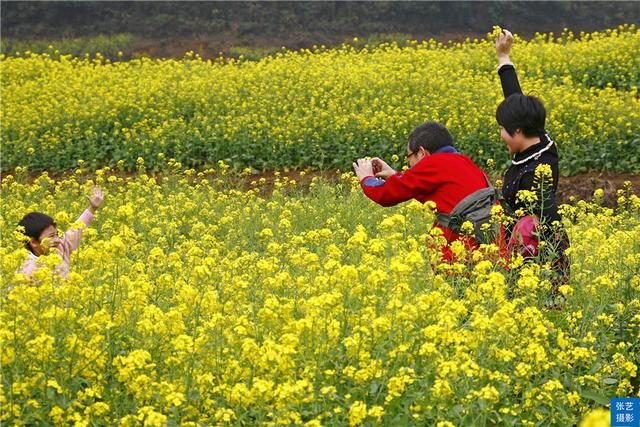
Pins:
x: 43, y: 236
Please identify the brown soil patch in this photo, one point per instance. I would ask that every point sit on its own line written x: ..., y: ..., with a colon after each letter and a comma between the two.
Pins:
x: 582, y: 186
x: 570, y: 189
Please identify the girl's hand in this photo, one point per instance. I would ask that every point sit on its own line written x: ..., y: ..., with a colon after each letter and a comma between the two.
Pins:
x: 381, y: 169
x: 504, y: 43
x: 96, y: 199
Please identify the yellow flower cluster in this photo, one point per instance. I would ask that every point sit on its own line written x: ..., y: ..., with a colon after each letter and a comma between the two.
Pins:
x: 193, y: 302
x: 319, y: 107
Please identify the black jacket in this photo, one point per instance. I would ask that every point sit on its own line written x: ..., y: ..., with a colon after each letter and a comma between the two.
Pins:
x: 521, y: 176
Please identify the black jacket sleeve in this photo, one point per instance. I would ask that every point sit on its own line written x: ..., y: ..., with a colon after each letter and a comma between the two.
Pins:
x: 509, y: 80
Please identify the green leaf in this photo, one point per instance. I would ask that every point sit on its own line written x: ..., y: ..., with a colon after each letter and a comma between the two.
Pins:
x: 596, y: 397
x: 373, y: 389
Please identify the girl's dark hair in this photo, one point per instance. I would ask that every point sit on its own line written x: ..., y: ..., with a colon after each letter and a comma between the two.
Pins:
x: 524, y: 112
x: 431, y: 136
x: 34, y: 224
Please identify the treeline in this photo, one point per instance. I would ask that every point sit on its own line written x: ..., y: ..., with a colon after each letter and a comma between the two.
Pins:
x: 318, y: 21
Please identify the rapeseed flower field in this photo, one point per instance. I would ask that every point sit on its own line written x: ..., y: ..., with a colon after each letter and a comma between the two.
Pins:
x: 318, y: 107
x: 204, y: 295
x: 191, y: 302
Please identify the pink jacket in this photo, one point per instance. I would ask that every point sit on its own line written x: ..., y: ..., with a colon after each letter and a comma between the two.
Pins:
x: 70, y: 242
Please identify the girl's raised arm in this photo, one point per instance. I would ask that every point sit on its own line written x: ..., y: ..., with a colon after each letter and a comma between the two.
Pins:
x: 72, y: 237
x: 506, y: 70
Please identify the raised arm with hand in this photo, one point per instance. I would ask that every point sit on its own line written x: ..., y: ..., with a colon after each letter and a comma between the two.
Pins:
x: 506, y: 70
x: 503, y: 47
x: 95, y: 200
x: 72, y: 237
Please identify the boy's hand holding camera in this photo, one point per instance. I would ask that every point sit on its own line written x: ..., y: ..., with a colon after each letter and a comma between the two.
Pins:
x: 381, y: 169
x: 374, y: 167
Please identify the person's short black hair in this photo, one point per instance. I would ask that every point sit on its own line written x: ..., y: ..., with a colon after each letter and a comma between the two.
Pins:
x: 524, y: 112
x: 431, y: 136
x: 33, y: 225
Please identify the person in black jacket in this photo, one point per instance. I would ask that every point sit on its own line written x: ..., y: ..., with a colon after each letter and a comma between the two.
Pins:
x: 534, y: 168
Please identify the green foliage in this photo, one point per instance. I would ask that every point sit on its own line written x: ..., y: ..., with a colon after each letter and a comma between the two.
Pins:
x: 320, y: 107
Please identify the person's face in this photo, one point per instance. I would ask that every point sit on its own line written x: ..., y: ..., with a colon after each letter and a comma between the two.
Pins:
x: 513, y: 141
x: 49, y: 238
x: 413, y: 157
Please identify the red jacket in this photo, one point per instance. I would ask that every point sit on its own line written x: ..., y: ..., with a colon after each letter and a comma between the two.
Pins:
x: 444, y: 178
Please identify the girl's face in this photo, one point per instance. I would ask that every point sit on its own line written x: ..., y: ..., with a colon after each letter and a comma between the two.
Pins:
x: 48, y: 239
x: 512, y: 140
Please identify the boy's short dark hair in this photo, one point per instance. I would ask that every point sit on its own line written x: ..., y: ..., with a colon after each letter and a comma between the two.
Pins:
x: 524, y: 112
x: 34, y: 224
x: 431, y: 136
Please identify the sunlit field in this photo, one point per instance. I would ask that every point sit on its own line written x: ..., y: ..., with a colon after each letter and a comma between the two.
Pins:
x: 204, y: 294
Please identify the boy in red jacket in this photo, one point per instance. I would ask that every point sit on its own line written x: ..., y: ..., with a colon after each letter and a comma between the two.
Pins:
x: 437, y: 172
